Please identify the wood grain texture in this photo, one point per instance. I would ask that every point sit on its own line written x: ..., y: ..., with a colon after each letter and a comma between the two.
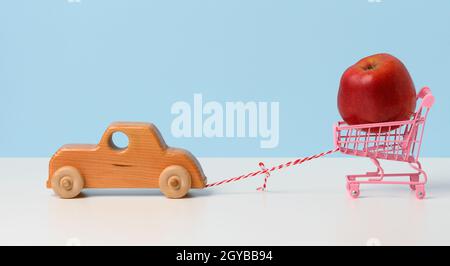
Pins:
x: 137, y: 166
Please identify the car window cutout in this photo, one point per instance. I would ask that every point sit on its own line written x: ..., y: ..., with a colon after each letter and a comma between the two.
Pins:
x: 118, y: 140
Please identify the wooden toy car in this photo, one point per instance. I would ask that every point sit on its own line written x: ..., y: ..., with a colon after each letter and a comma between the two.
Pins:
x: 147, y: 162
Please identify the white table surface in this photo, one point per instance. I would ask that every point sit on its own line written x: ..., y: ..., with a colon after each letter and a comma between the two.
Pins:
x: 307, y: 205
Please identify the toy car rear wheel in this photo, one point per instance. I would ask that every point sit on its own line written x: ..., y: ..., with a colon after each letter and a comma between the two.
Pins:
x: 175, y: 182
x: 67, y: 182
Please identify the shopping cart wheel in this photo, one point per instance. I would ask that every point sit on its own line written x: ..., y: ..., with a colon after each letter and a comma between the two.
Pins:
x: 420, y: 192
x: 413, y: 179
x: 353, y: 190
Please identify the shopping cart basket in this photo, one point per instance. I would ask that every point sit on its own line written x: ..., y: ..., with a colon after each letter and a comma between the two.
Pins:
x: 394, y: 141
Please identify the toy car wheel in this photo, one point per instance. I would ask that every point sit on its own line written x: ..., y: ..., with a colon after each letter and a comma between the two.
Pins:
x: 175, y: 182
x: 67, y: 182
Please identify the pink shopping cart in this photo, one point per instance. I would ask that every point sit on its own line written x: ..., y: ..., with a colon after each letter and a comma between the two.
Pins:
x: 395, y: 141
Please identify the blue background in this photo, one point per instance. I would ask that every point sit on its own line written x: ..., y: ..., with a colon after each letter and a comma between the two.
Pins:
x: 69, y: 69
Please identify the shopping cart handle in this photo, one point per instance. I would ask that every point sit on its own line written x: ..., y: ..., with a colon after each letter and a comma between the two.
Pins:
x: 426, y: 96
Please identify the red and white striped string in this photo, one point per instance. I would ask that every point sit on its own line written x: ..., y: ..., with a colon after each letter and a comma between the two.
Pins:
x: 267, y: 172
x: 264, y: 186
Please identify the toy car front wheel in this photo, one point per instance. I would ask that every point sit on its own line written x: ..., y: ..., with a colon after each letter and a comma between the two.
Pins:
x: 67, y: 182
x: 175, y: 182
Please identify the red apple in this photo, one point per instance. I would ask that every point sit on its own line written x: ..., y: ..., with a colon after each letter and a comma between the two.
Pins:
x: 376, y: 89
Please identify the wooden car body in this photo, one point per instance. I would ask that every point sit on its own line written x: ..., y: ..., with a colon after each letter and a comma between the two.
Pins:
x: 137, y: 166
